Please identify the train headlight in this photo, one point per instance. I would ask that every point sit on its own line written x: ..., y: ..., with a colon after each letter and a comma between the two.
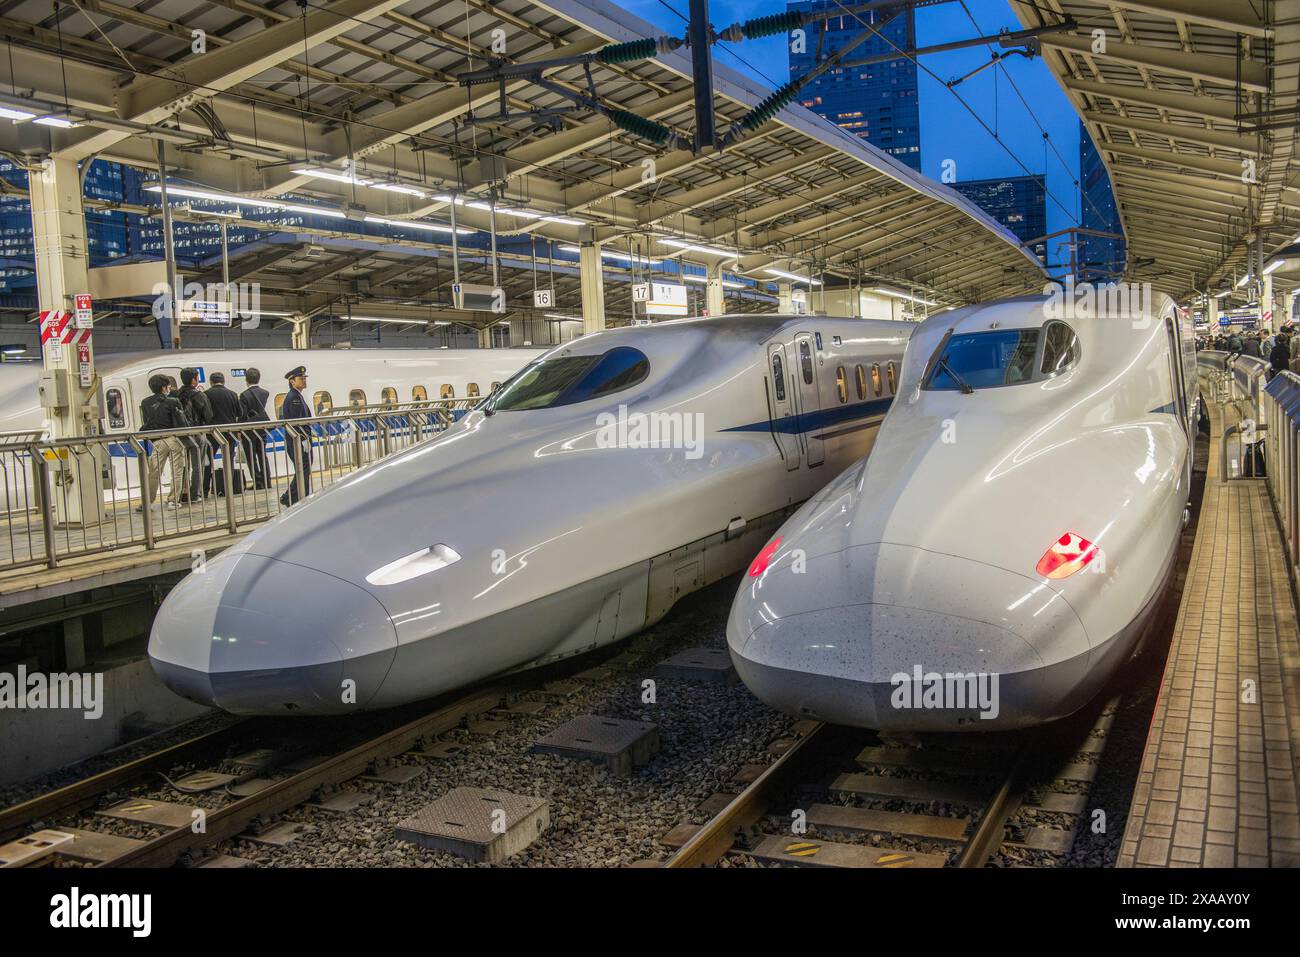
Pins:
x: 414, y: 565
x: 1065, y: 556
x: 764, y: 558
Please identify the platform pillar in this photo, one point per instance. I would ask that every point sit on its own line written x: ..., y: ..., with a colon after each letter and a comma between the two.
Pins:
x: 592, y: 274
x: 69, y: 385
x: 715, y: 298
x: 301, y: 334
x: 785, y: 297
x: 485, y: 337
x: 1267, y: 314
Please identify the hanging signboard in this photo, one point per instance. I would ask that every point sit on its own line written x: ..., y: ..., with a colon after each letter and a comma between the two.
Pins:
x: 543, y: 299
x: 204, y: 312
x: 666, y: 299
x: 640, y: 292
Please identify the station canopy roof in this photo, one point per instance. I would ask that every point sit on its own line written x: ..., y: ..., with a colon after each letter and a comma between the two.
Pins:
x: 286, y: 97
x: 1192, y: 105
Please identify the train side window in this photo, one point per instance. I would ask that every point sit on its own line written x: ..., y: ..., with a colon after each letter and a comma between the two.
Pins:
x: 861, y: 375
x: 892, y: 375
x: 1060, y: 349
x: 116, y: 406
x: 356, y: 398
x: 471, y: 389
x: 279, y: 403
x: 323, y: 402
x: 875, y: 377
x: 805, y: 361
x: 419, y: 394
x: 388, y: 395
x: 841, y: 384
x: 778, y: 378
x: 448, y: 391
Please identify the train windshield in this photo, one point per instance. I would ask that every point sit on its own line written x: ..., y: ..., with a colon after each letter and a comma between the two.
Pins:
x: 981, y: 360
x: 563, y: 380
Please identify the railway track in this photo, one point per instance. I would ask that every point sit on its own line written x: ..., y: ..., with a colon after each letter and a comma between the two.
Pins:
x: 844, y: 798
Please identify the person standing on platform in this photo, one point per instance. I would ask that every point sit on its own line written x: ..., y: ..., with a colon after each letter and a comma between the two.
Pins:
x: 158, y: 412
x: 1250, y: 345
x: 199, y: 413
x: 1280, y: 357
x: 297, y: 438
x: 252, y: 409
x: 225, y: 411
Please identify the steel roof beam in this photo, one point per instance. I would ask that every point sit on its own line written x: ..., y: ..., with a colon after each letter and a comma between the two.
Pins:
x: 1199, y: 66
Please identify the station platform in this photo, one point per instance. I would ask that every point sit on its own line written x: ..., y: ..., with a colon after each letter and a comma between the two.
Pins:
x: 1217, y: 786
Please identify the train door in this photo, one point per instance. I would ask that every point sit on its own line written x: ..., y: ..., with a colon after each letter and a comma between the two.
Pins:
x: 808, y: 398
x: 781, y: 404
x: 1176, y: 374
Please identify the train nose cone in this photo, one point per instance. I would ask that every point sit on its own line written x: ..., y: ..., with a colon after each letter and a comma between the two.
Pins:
x: 254, y: 635
x: 898, y: 638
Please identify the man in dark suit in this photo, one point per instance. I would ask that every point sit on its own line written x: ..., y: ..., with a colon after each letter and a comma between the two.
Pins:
x: 197, y: 410
x: 297, y: 439
x: 252, y: 409
x: 225, y: 411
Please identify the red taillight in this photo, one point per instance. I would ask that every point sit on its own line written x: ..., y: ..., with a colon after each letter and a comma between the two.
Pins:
x: 1066, y: 556
x: 764, y: 558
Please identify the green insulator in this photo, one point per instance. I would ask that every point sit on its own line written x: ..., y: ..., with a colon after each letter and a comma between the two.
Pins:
x: 640, y: 126
x: 627, y: 52
x: 769, y: 107
x: 771, y: 25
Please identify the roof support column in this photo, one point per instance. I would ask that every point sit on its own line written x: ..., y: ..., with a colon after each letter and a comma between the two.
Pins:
x: 1212, y: 312
x: 592, y: 276
x: 69, y: 384
x: 785, y: 298
x: 485, y: 337
x: 715, y: 298
x: 1266, y: 305
x: 301, y: 334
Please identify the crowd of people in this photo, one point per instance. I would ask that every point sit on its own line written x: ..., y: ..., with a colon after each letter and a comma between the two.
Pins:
x: 191, y: 457
x: 1281, y: 350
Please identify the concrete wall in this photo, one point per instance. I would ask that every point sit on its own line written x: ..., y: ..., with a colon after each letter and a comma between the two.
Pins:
x: 36, y: 742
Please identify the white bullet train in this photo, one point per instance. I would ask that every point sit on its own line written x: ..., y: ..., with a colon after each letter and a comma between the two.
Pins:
x: 338, y: 378
x: 1001, y: 551
x: 571, y: 509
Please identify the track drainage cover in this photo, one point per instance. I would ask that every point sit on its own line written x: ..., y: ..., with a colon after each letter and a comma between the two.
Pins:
x: 619, y: 745
x: 478, y: 824
x: 700, y: 664
x: 157, y: 813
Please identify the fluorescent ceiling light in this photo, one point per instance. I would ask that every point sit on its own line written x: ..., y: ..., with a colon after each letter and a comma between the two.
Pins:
x: 1220, y: 295
x: 418, y: 224
x: 615, y: 254
x: 56, y: 121
x: 726, y: 283
x: 691, y: 247
x: 556, y: 315
x: 1275, y: 264
x: 902, y: 295
x: 9, y: 113
x: 385, y: 319
x: 316, y: 211
x: 330, y: 174
x: 399, y: 188
x: 1242, y: 281
x: 245, y: 201
x: 791, y: 276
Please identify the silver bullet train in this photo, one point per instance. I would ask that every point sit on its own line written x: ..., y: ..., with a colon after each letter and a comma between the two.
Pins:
x: 569, y: 510
x: 999, y: 554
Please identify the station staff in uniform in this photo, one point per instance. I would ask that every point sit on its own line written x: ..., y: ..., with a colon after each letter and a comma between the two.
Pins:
x: 297, y: 439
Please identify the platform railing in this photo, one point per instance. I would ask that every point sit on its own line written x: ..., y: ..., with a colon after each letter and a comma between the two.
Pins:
x: 243, y: 474
x: 1274, y: 404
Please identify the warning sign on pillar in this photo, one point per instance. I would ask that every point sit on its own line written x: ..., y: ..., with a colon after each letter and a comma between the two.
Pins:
x: 84, y: 316
x: 83, y: 364
x: 51, y: 324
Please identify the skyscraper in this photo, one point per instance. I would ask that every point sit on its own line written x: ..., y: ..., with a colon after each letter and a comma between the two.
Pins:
x: 1100, y: 258
x: 1017, y: 202
x: 877, y: 102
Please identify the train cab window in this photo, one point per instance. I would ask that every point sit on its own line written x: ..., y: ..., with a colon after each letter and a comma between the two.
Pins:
x: 323, y: 403
x: 116, y: 407
x: 778, y: 378
x: 419, y: 394
x: 471, y: 389
x: 892, y: 375
x: 875, y: 378
x: 388, y: 395
x: 1060, y: 349
x: 861, y: 376
x: 565, y: 379
x: 841, y: 384
x: 356, y: 398
x: 805, y: 362
x: 279, y: 403
x: 448, y: 391
x: 983, y: 360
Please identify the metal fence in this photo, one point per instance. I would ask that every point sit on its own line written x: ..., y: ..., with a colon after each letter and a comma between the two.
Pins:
x: 158, y: 486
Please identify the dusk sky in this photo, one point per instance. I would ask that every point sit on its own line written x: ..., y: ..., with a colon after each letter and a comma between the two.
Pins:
x: 948, y: 130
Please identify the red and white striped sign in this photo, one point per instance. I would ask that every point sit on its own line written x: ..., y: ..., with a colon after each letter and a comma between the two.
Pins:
x: 58, y: 326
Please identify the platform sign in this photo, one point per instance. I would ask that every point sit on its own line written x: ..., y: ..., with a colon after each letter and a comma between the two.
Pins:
x: 640, y: 292
x: 543, y: 298
x: 84, y: 317
x: 666, y: 299
x: 84, y: 370
x: 204, y: 312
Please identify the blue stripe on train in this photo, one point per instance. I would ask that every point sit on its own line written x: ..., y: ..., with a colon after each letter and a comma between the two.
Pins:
x: 822, y: 418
